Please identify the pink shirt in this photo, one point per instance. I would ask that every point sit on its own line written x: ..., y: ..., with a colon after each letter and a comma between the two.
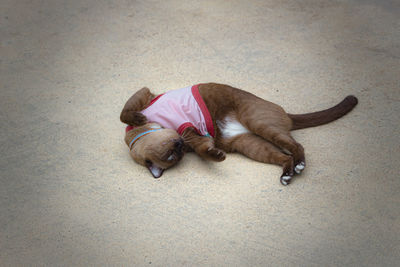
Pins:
x: 180, y: 109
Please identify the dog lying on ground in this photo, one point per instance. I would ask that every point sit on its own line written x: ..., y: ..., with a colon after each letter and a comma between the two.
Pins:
x: 212, y: 119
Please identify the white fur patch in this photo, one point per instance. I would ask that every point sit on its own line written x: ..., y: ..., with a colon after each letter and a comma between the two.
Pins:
x: 299, y: 167
x: 286, y: 179
x: 230, y: 127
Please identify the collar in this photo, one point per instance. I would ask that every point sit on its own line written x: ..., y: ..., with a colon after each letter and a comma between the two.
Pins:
x: 137, y: 137
x: 130, y: 127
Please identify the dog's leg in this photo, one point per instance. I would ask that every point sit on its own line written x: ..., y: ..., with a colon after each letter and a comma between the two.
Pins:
x: 202, y: 145
x: 261, y: 150
x: 277, y: 133
x: 130, y: 113
x: 285, y: 141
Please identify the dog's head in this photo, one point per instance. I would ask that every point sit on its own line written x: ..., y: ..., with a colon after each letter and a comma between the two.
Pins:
x: 155, y: 147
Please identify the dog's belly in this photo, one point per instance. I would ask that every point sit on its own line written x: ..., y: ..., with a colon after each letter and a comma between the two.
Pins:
x: 231, y: 127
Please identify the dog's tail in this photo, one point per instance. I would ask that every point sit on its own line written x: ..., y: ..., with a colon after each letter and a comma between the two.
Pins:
x: 301, y: 121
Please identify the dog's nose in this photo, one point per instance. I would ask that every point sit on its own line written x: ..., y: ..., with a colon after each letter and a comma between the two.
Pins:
x: 179, y: 144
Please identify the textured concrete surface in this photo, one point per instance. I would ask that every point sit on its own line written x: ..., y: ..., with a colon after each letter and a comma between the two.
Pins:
x: 70, y: 194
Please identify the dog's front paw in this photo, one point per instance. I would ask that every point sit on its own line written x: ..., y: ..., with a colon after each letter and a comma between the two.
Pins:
x: 216, y: 154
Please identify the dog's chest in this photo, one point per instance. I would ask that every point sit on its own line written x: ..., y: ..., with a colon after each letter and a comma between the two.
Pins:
x: 231, y: 127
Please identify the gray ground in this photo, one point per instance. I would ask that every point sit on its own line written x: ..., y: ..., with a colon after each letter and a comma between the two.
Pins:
x: 71, y: 195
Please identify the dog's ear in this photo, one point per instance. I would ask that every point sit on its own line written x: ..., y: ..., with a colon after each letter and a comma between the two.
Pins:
x: 139, y: 101
x: 154, y: 169
x: 133, y: 118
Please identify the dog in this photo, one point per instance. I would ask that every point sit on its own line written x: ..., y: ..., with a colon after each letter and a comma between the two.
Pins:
x: 214, y: 119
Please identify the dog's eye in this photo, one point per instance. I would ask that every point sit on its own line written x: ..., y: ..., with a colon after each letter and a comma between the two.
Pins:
x: 148, y: 162
x: 171, y: 157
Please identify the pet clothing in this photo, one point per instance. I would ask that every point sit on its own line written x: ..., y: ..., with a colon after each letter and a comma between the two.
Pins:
x: 181, y: 109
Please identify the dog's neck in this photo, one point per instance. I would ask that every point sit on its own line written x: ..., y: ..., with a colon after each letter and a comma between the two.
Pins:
x: 134, y: 133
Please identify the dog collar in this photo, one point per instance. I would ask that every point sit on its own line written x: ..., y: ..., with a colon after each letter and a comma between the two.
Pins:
x: 137, y: 137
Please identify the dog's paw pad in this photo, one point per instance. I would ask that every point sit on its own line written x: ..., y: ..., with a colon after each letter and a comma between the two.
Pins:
x: 286, y: 179
x: 299, y: 167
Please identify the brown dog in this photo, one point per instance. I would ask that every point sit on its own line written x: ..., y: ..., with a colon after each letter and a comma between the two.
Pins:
x: 224, y: 119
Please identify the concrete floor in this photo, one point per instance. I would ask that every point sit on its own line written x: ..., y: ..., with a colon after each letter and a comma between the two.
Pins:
x: 70, y: 195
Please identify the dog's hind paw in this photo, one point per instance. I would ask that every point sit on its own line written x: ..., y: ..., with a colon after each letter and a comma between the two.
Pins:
x: 286, y: 179
x: 299, y: 167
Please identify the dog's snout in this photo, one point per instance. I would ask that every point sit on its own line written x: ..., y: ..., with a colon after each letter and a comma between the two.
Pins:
x: 179, y: 144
